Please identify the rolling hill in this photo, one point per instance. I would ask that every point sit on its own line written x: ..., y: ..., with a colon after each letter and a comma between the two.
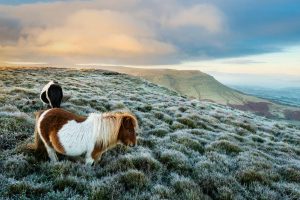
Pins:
x: 198, y: 85
x: 187, y: 149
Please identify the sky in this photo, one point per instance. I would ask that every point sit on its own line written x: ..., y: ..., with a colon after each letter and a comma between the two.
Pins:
x: 231, y: 38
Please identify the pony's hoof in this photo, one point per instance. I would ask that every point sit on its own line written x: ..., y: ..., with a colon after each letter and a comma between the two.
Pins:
x: 89, y: 161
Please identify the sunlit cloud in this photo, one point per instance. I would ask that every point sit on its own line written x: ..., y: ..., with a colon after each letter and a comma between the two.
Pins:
x: 124, y: 32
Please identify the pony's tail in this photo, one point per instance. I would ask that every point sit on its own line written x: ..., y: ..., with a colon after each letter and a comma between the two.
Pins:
x: 38, y: 143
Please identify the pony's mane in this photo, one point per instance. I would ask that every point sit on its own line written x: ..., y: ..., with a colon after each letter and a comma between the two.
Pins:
x: 107, y: 126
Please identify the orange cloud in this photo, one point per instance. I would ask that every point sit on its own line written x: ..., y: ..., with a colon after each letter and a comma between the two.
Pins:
x: 123, y: 32
x: 97, y: 33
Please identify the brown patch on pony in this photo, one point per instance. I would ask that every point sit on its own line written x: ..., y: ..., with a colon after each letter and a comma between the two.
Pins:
x: 98, y: 149
x: 56, y: 143
x: 127, y: 134
x: 52, y: 122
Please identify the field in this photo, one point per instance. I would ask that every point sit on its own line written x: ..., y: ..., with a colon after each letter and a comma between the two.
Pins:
x: 187, y: 149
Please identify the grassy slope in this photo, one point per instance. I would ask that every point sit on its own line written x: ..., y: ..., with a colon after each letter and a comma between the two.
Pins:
x: 187, y: 149
x: 199, y: 85
x: 192, y: 83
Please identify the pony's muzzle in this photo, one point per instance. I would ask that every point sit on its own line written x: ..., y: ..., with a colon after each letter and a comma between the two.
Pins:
x: 132, y: 145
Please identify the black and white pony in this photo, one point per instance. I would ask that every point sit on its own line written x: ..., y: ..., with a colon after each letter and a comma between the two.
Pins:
x: 52, y: 94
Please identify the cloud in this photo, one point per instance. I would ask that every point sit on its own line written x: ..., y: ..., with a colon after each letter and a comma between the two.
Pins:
x: 145, y: 32
x: 243, y: 62
x: 99, y: 33
x: 9, y: 30
x: 123, y: 32
x: 203, y: 16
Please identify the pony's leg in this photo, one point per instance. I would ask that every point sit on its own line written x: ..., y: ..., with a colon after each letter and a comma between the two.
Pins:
x: 51, y: 153
x: 88, y: 159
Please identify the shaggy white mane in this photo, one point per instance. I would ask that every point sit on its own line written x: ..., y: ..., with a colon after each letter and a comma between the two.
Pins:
x: 107, y: 126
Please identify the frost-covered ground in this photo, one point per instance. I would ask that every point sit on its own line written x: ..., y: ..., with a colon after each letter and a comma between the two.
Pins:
x: 186, y: 150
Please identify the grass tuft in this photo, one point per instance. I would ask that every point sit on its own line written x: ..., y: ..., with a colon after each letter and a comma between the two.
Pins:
x: 224, y: 146
x: 186, y: 121
x: 26, y: 190
x: 247, y: 177
x: 158, y: 132
x: 62, y: 183
x: 175, y: 160
x: 134, y: 179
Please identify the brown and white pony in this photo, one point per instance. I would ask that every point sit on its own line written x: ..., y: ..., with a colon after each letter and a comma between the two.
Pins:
x: 72, y: 135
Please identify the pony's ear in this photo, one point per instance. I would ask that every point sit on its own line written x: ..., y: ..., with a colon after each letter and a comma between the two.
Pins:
x: 128, y: 122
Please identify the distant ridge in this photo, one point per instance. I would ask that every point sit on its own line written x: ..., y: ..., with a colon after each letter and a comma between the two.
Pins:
x: 199, y: 85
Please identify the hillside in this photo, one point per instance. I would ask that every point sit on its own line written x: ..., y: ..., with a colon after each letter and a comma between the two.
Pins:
x: 198, y: 85
x: 192, y: 83
x: 187, y: 149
